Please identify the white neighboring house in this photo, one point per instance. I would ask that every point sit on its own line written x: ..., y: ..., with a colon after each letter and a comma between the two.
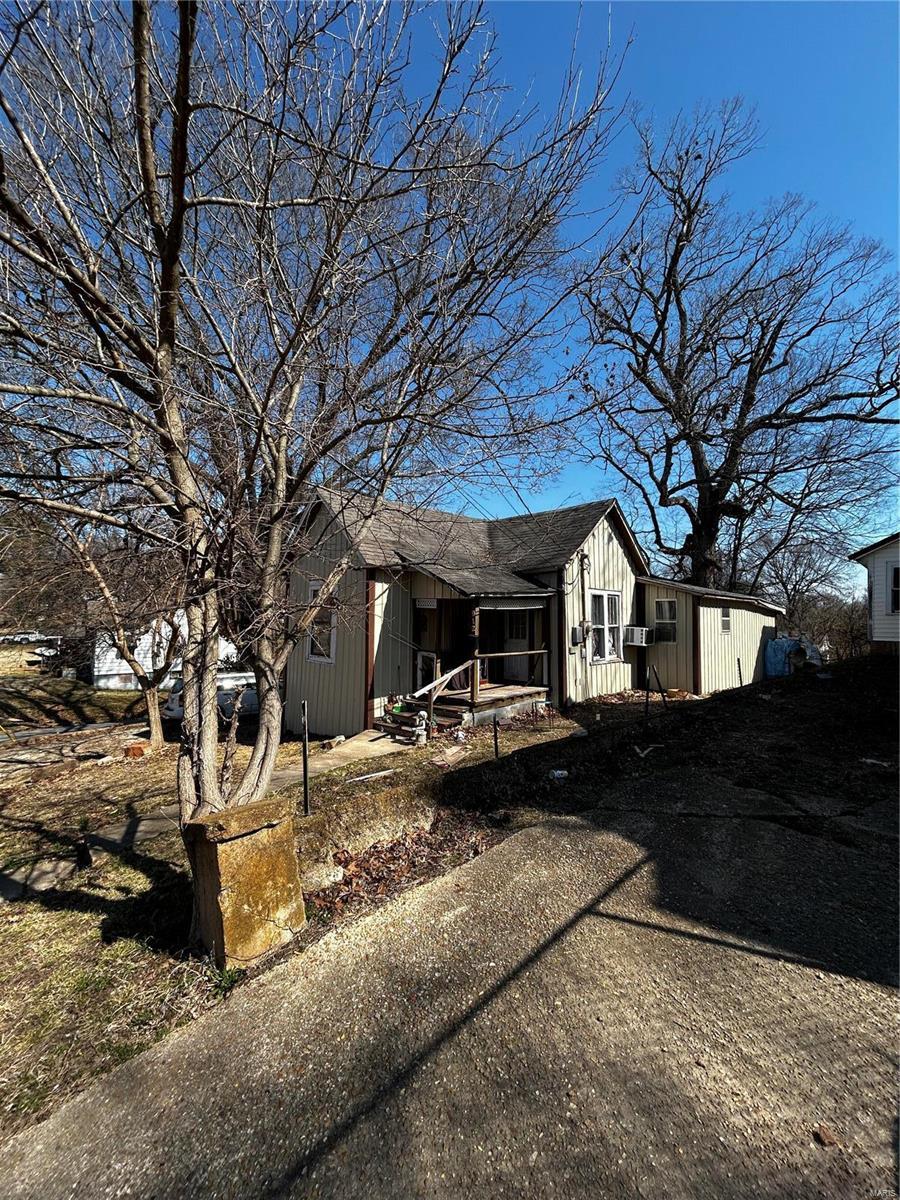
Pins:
x: 111, y: 671
x: 882, y: 562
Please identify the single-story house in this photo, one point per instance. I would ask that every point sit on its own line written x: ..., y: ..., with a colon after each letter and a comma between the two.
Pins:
x: 882, y: 562
x: 496, y: 614
x: 110, y: 671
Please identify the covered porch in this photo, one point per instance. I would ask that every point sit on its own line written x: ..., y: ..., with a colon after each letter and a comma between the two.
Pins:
x: 475, y: 656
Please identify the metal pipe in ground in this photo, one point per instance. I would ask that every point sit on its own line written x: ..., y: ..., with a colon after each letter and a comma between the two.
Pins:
x: 662, y: 690
x: 496, y: 738
x: 740, y: 675
x: 305, y: 724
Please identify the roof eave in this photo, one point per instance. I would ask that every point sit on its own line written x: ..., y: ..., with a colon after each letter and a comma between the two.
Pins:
x: 865, y: 551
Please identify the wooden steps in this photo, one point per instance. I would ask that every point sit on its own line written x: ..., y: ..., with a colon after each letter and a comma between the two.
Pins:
x: 400, y: 724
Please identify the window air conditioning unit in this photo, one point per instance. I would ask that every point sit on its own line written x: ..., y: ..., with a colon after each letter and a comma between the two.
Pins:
x: 638, y: 635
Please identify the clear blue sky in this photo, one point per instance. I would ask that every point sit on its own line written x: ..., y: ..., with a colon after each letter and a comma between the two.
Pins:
x: 823, y: 78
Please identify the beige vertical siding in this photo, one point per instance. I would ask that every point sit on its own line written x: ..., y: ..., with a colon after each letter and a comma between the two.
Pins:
x: 392, y: 634
x: 335, y: 692
x: 423, y: 587
x: 610, y: 570
x: 885, y: 625
x: 673, y: 660
x: 719, y: 652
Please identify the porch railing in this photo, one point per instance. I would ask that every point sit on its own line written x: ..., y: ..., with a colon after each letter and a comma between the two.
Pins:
x: 437, y: 686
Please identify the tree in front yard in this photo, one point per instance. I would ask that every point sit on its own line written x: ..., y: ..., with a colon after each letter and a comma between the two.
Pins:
x: 749, y: 360
x: 247, y: 253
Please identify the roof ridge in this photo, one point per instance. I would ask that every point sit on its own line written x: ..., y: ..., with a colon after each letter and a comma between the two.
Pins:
x: 418, y: 510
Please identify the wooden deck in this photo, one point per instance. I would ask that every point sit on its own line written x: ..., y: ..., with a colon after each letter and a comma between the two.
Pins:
x: 455, y: 707
x: 490, y: 695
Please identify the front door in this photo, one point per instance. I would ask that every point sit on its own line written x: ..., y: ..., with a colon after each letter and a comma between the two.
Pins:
x: 515, y: 668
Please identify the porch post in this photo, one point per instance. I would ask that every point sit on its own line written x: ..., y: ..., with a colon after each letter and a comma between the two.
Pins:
x: 474, y: 635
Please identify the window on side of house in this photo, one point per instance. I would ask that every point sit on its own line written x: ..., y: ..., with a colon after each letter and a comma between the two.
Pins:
x: 894, y: 588
x: 323, y: 630
x: 606, y: 626
x: 726, y: 620
x: 666, y: 620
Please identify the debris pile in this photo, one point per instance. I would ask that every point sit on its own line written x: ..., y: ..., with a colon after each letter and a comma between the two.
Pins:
x: 389, y: 868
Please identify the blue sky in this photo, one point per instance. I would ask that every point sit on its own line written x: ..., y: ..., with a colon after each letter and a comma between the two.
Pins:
x: 822, y: 76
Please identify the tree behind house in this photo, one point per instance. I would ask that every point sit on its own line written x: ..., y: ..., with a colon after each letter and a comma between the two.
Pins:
x: 749, y: 360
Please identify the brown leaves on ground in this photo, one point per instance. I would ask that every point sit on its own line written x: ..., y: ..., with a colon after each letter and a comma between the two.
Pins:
x: 389, y: 868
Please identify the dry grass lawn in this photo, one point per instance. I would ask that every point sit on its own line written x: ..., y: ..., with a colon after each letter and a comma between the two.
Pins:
x: 97, y: 969
x: 34, y: 699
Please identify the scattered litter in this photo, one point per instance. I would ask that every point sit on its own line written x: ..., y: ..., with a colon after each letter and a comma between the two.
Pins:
x: 332, y: 742
x: 460, y: 735
x: 448, y: 757
x: 578, y: 733
x: 373, y: 775
x: 644, y: 753
x: 876, y: 762
x: 558, y: 775
x: 825, y: 1136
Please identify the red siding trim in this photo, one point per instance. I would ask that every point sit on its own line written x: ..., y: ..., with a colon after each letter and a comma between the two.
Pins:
x: 369, y: 716
x: 562, y: 645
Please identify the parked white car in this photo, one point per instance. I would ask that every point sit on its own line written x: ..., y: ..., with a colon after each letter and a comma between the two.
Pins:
x: 226, y: 691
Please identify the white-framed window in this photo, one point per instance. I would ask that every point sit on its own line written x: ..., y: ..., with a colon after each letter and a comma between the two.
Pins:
x: 726, y: 620
x: 606, y: 626
x: 666, y: 621
x: 322, y: 636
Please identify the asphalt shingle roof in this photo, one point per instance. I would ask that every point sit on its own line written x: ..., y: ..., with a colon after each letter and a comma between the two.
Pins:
x: 477, y: 556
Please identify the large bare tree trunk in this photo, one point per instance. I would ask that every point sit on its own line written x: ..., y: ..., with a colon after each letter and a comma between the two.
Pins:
x: 154, y: 717
x: 197, y: 776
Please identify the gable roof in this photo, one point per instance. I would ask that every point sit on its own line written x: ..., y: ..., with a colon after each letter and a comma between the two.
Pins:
x: 476, y: 556
x: 879, y: 545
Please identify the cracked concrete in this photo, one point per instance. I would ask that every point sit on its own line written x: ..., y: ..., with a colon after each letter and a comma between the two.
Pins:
x: 552, y: 1019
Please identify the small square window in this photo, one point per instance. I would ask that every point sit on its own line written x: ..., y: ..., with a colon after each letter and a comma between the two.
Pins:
x: 726, y: 620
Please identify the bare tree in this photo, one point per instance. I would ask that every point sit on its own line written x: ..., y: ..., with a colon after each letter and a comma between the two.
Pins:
x: 750, y: 359
x: 247, y: 253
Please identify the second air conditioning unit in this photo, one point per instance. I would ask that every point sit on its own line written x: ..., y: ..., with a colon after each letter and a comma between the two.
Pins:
x: 638, y: 635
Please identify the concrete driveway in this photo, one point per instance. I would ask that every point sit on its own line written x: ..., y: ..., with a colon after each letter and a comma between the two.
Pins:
x: 544, y: 1021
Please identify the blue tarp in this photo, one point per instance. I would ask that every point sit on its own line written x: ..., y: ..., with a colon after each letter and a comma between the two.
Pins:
x: 780, y: 650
